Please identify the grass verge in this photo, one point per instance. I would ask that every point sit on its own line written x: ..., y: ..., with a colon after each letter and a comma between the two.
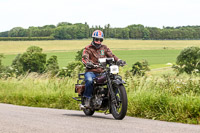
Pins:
x: 166, y: 97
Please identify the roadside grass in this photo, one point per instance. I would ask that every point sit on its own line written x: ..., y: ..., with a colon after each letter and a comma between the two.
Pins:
x: 39, y: 91
x: 167, y: 97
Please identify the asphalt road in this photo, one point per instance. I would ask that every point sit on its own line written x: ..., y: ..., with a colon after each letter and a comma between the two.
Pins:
x: 20, y: 119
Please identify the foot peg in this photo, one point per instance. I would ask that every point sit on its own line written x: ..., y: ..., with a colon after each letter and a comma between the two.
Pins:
x: 81, y: 106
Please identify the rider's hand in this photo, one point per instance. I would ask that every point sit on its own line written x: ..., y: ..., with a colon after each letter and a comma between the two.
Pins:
x: 95, y: 66
x: 91, y: 65
x: 121, y: 62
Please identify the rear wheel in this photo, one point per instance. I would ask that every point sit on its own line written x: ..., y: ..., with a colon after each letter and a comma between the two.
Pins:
x: 88, y: 112
x: 119, y: 108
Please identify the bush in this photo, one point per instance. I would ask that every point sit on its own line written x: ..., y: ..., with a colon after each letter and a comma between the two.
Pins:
x: 33, y: 60
x: 17, y: 66
x: 1, y: 66
x: 188, y: 61
x: 5, y: 71
x: 140, y: 67
x: 72, y: 69
x: 79, y: 55
x: 52, y: 65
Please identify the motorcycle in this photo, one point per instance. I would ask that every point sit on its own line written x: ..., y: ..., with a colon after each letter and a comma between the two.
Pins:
x: 109, y: 93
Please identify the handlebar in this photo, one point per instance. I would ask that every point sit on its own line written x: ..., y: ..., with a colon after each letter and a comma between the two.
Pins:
x: 101, y: 66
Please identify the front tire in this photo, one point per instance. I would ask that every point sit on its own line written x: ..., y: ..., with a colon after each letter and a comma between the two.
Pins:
x: 88, y: 112
x: 120, y: 108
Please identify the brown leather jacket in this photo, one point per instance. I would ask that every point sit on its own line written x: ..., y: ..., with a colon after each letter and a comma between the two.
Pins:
x: 92, y: 54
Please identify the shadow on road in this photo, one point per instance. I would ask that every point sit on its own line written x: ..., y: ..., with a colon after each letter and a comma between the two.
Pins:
x: 94, y: 116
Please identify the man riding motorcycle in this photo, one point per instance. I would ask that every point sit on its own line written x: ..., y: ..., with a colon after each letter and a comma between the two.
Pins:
x: 90, y: 57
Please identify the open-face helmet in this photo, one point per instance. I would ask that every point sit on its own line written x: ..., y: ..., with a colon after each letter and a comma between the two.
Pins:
x: 97, y: 34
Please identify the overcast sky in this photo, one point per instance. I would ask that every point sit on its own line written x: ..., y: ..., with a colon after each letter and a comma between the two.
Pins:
x: 117, y: 13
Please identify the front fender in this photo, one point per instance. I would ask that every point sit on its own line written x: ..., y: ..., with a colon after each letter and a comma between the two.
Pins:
x: 118, y: 82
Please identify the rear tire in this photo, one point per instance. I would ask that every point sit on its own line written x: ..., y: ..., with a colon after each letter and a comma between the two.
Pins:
x: 119, y: 110
x: 88, y: 112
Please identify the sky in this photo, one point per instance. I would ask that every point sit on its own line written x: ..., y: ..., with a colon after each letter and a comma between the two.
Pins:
x: 117, y: 13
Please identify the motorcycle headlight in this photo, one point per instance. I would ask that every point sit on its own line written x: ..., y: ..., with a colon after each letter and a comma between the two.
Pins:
x: 114, y: 69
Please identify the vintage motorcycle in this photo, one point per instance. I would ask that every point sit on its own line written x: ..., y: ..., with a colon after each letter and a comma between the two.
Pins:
x: 109, y: 93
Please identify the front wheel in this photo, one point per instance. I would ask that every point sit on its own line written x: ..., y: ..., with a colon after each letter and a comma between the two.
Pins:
x: 119, y: 108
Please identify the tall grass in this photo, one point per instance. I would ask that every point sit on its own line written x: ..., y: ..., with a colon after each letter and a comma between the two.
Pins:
x: 37, y: 90
x: 166, y: 97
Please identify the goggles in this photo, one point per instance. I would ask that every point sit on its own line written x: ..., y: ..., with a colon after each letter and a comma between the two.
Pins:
x: 98, y: 39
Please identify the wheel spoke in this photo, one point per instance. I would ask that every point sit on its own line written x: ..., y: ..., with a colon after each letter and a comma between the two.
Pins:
x: 119, y: 101
x: 119, y: 108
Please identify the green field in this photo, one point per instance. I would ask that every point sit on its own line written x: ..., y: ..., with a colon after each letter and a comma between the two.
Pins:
x: 156, y: 58
x: 157, y: 53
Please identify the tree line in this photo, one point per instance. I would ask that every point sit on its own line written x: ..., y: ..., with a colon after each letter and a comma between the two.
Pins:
x: 65, y: 30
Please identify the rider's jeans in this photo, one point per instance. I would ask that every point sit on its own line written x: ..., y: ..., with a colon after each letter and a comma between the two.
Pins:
x: 89, y: 76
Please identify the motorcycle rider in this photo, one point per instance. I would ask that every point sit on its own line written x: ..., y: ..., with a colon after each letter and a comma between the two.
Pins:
x: 90, y: 57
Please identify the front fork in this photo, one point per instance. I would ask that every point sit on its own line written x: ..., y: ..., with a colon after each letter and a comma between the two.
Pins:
x: 111, y: 93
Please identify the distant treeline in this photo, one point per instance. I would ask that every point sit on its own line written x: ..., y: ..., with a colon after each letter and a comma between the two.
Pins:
x: 65, y: 30
x: 26, y: 38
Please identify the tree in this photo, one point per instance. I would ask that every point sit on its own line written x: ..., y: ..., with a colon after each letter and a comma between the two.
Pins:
x: 52, y: 65
x: 66, y: 30
x: 63, y: 24
x: 146, y: 34
x: 140, y: 68
x: 4, y: 34
x: 154, y: 33
x: 188, y: 60
x: 136, y: 31
x: 106, y: 31
x: 33, y: 60
x: 17, y: 32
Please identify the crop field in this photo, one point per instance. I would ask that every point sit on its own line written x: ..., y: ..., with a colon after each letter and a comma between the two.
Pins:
x: 157, y: 53
x: 15, y: 47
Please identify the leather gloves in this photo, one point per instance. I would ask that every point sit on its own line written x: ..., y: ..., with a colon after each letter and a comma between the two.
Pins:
x: 90, y: 65
x: 121, y: 62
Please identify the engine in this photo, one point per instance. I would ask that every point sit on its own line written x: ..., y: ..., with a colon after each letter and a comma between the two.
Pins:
x: 100, y: 96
